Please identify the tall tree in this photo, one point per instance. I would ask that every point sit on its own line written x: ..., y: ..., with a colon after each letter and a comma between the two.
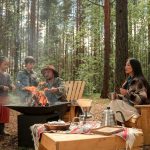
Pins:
x: 17, y: 39
x: 107, y: 49
x: 37, y: 33
x: 121, y: 41
x: 3, y: 26
x: 32, y: 34
x: 79, y: 38
x: 149, y: 41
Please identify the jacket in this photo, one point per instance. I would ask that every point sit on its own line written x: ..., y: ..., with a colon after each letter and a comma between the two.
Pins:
x: 25, y: 78
x: 137, y: 92
x: 54, y: 97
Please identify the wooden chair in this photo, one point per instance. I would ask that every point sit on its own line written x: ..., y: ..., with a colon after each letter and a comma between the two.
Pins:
x: 74, y: 91
x: 142, y: 122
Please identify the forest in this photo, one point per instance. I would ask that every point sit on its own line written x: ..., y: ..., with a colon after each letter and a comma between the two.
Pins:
x: 84, y: 39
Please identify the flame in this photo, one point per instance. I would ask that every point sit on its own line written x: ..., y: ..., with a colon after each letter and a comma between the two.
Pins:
x: 38, y: 96
x: 41, y: 83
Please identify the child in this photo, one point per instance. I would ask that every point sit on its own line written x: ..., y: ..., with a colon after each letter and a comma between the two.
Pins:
x: 26, y: 77
x: 5, y: 86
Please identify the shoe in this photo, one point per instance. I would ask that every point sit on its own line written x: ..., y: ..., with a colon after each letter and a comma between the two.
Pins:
x: 1, y: 137
x: 4, y: 133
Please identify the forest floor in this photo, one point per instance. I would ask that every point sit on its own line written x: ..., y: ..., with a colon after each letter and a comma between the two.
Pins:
x: 11, y: 142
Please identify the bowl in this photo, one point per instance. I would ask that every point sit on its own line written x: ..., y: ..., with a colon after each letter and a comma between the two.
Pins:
x: 57, y: 127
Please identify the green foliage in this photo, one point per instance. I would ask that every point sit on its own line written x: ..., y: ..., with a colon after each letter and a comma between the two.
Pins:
x: 72, y: 39
x: 138, y: 32
x: 90, y: 71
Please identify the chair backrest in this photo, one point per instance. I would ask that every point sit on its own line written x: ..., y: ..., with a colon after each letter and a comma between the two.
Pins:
x: 74, y: 89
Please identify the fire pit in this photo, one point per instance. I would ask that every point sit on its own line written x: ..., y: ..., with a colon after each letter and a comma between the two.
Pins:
x: 32, y: 115
x: 39, y: 110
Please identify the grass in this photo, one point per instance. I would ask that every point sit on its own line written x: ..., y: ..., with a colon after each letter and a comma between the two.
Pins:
x: 96, y: 98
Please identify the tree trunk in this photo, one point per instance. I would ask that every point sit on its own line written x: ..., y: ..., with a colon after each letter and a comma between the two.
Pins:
x: 107, y: 49
x: 78, y: 29
x: 121, y: 42
x: 79, y: 36
x: 37, y: 34
x: 17, y: 40
x: 2, y: 28
x: 32, y: 28
x: 149, y: 41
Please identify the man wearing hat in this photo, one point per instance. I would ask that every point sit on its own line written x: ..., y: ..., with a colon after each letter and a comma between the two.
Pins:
x: 53, y: 86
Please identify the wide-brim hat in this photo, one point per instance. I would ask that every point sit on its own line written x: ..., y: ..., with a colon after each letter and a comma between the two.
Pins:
x: 50, y: 67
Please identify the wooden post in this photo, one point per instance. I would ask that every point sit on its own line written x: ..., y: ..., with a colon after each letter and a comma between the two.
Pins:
x: 145, y: 122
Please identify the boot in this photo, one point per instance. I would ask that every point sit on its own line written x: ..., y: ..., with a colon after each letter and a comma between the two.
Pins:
x: 1, y: 128
x: 2, y: 131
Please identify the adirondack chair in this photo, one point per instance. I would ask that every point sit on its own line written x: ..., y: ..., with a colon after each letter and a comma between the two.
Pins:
x: 74, y: 91
x: 142, y: 122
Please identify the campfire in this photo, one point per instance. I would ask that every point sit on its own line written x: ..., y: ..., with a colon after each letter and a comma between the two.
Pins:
x: 38, y: 96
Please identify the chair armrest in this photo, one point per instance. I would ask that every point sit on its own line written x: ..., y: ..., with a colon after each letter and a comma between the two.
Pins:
x: 142, y: 106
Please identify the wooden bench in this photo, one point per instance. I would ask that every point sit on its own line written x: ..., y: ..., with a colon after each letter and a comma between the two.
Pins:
x: 74, y: 91
x: 142, y: 122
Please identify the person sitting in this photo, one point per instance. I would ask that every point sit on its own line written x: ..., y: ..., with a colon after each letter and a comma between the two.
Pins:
x: 135, y: 91
x: 26, y: 77
x: 53, y: 86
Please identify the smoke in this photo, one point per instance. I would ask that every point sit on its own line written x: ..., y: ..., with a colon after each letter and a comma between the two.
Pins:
x: 14, y: 99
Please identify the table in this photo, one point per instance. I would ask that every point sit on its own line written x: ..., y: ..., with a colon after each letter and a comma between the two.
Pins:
x: 55, y: 141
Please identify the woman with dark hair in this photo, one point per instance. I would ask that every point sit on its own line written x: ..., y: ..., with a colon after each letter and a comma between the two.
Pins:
x: 5, y: 86
x: 135, y: 91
